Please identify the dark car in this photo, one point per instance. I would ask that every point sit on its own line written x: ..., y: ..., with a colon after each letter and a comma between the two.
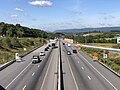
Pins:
x: 74, y: 51
x: 46, y: 49
x: 49, y: 45
x: 36, y: 59
x: 63, y: 43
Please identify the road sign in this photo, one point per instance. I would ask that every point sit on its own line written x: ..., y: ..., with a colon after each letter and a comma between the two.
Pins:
x: 104, y: 55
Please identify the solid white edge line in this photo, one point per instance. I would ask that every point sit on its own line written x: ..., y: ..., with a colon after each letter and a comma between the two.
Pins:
x: 100, y: 73
x: 17, y: 76
x: 73, y: 75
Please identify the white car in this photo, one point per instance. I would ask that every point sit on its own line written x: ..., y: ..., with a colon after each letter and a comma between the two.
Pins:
x: 69, y: 45
x: 36, y: 59
x: 42, y: 54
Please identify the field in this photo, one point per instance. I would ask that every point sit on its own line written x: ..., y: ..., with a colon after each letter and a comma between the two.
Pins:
x: 10, y: 46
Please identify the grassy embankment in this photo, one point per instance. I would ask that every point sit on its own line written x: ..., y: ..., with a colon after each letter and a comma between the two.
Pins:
x: 10, y: 46
x: 113, y: 60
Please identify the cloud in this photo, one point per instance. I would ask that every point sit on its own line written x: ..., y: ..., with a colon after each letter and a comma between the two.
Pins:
x: 41, y: 3
x: 14, y: 16
x: 19, y: 9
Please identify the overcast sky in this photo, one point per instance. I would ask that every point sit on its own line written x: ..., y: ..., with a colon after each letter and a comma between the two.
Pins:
x: 53, y: 15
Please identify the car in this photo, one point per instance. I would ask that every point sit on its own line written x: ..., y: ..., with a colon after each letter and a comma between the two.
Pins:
x: 74, y: 51
x: 42, y: 54
x: 68, y: 53
x: 49, y: 45
x: 69, y: 45
x: 63, y: 43
x: 46, y: 49
x: 36, y: 59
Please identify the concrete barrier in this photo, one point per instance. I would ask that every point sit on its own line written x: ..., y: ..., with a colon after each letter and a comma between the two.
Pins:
x: 6, y: 64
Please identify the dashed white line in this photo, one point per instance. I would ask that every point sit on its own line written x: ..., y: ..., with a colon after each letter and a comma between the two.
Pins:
x: 100, y: 73
x: 33, y: 74
x: 82, y: 68
x: 24, y: 87
x: 17, y: 76
x: 78, y: 61
x: 89, y: 77
x: 38, y: 65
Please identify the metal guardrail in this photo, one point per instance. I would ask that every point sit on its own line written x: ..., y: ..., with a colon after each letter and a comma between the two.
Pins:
x: 102, y: 48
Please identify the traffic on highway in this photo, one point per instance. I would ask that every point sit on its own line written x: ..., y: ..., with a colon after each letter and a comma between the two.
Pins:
x: 40, y: 71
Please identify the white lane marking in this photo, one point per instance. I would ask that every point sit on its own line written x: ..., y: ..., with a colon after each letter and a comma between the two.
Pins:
x: 82, y: 68
x: 17, y: 76
x: 78, y: 61
x: 41, y: 88
x: 33, y: 74
x: 100, y: 73
x: 89, y: 77
x: 24, y: 87
x: 73, y: 76
x: 38, y: 65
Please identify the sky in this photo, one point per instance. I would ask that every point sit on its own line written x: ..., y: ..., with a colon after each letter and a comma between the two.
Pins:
x: 50, y: 15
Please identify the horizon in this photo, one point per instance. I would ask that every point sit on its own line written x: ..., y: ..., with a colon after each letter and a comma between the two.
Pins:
x: 51, y: 15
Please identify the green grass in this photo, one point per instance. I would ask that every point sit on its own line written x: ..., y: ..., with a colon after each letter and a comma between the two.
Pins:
x: 113, y: 60
x: 8, y: 53
x: 92, y: 34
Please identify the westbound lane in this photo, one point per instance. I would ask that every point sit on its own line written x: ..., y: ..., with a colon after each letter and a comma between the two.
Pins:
x: 87, y: 76
x: 49, y: 81
x: 17, y: 71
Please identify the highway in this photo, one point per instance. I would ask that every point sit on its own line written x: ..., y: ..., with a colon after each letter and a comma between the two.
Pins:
x: 89, y: 75
x: 27, y: 76
x: 79, y: 72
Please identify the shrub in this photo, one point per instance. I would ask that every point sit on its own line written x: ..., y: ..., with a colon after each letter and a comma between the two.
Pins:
x: 16, y: 43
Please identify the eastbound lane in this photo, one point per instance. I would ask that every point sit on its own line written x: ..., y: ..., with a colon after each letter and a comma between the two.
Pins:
x: 88, y: 76
x: 68, y: 77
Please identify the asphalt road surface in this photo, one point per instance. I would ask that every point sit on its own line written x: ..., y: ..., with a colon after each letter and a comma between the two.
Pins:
x: 27, y: 76
x: 87, y: 74
x: 80, y: 72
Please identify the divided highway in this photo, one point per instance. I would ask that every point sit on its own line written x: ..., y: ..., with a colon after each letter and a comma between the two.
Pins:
x: 79, y: 72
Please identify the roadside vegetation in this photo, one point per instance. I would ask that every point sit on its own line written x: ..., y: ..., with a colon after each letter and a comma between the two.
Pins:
x: 113, y: 60
x: 11, y: 45
x: 20, y: 39
x: 101, y: 39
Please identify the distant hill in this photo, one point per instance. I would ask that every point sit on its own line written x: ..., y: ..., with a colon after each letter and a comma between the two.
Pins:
x: 83, y: 30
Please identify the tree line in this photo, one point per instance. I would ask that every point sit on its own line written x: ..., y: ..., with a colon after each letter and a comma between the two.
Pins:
x: 20, y: 31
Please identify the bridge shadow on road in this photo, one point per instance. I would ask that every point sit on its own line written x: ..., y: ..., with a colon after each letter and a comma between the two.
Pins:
x: 2, y: 88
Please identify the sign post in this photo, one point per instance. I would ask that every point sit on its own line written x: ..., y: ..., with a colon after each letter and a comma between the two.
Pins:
x: 105, y: 56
